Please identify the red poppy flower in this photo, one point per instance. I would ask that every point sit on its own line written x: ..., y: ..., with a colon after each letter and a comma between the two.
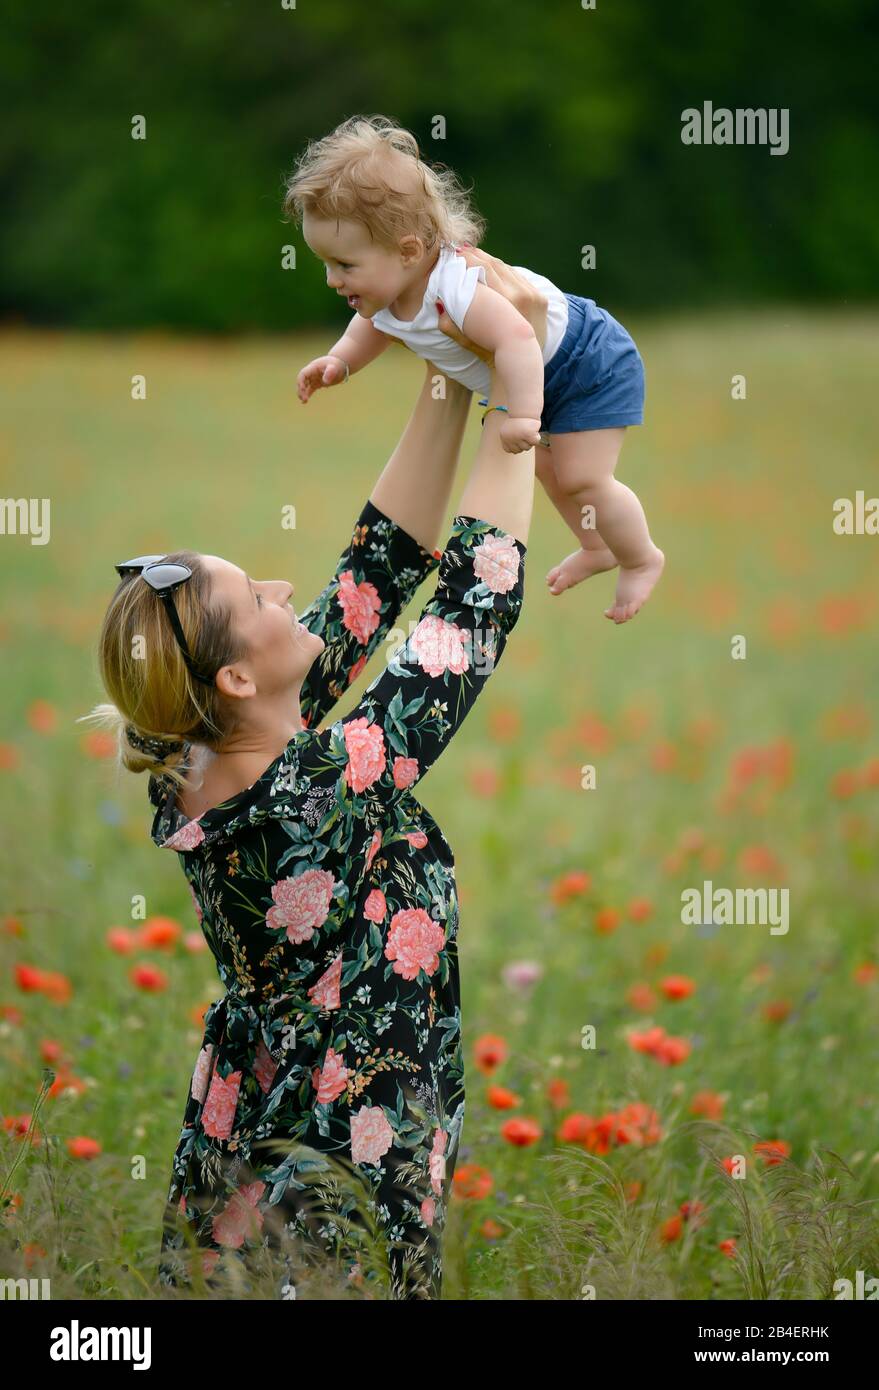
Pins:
x: 570, y: 885
x: 488, y: 1053
x: 707, y: 1103
x: 160, y: 932
x: 558, y: 1092
x: 677, y: 986
x: 641, y: 996
x: 773, y: 1151
x: 521, y: 1131
x: 122, y: 940
x: 575, y: 1128
x: 65, y: 1081
x: 148, y: 977
x: 98, y: 744
x: 639, y: 909
x: 499, y: 1098
x: 671, y: 1229
x: 472, y: 1182
x: 83, y: 1147
x: 42, y: 716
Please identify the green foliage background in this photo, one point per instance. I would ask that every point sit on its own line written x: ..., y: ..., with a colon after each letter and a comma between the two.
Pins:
x: 565, y: 121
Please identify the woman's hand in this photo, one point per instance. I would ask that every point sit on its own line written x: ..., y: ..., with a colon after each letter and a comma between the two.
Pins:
x: 522, y: 294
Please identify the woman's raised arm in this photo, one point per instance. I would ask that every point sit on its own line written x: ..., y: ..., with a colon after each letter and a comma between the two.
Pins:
x: 392, y: 548
x: 411, y: 711
x: 415, y: 485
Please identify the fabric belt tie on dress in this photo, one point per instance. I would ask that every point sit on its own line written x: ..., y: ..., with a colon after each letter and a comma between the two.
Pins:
x: 235, y: 1023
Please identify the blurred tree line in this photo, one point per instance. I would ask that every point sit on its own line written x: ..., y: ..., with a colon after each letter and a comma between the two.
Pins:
x: 565, y: 121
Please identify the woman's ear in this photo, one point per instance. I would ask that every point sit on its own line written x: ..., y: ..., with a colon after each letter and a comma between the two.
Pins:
x: 235, y: 682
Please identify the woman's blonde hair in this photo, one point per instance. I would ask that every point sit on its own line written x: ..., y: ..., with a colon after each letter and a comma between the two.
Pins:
x: 154, y: 696
x: 370, y: 170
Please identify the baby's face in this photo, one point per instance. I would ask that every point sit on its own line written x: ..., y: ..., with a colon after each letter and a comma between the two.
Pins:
x: 370, y: 277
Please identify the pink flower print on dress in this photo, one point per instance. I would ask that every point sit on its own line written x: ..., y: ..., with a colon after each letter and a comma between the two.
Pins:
x: 218, y: 1115
x: 428, y: 1210
x: 496, y: 562
x: 365, y: 743
x: 374, y: 847
x: 325, y: 993
x: 331, y: 1079
x: 301, y: 904
x: 405, y: 772
x: 375, y: 908
x: 240, y: 1219
x: 195, y: 903
x: 371, y: 1135
x: 199, y: 1087
x: 187, y: 837
x: 440, y: 646
x: 360, y: 604
x: 414, y: 942
x: 437, y: 1161
x: 416, y: 838
x: 264, y: 1066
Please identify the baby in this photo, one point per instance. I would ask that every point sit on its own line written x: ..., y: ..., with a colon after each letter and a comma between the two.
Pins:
x: 387, y: 226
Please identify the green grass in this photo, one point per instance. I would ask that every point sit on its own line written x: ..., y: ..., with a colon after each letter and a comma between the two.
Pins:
x: 739, y: 494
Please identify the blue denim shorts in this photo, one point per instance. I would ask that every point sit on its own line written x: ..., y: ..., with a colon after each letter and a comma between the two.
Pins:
x: 595, y: 379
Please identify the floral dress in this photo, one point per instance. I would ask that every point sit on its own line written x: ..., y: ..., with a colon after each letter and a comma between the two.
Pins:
x: 330, y: 1079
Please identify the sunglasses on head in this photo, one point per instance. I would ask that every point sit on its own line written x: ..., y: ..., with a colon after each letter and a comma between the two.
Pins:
x: 164, y: 577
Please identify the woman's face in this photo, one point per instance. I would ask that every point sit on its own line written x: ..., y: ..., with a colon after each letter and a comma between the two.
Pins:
x: 280, y: 650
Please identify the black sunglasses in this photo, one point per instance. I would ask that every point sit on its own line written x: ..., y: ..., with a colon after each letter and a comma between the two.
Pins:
x: 164, y: 579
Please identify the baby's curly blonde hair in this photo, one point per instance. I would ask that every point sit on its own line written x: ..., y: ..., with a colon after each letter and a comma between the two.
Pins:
x: 370, y: 170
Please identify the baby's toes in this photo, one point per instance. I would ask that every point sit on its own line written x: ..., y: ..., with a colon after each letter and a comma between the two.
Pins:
x: 555, y: 579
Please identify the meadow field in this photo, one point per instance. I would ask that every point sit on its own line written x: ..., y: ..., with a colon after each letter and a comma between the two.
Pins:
x: 656, y: 1108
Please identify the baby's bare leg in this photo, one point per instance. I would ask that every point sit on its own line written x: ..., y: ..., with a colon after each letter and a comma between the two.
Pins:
x: 584, y: 463
x: 592, y: 555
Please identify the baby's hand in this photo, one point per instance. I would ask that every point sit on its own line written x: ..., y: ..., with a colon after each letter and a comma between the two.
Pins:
x: 323, y: 371
x: 518, y: 433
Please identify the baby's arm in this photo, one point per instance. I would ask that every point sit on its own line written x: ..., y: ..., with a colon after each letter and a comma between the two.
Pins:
x: 495, y: 324
x: 359, y: 345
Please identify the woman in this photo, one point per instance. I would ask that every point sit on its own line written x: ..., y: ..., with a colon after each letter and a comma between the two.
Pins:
x: 327, y: 1097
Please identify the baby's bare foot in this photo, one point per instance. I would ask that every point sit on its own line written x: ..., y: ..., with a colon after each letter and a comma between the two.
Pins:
x: 579, y: 565
x: 634, y: 586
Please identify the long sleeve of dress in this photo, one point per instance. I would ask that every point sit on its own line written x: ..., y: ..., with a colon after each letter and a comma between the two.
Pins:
x: 412, y: 710
x: 375, y: 578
